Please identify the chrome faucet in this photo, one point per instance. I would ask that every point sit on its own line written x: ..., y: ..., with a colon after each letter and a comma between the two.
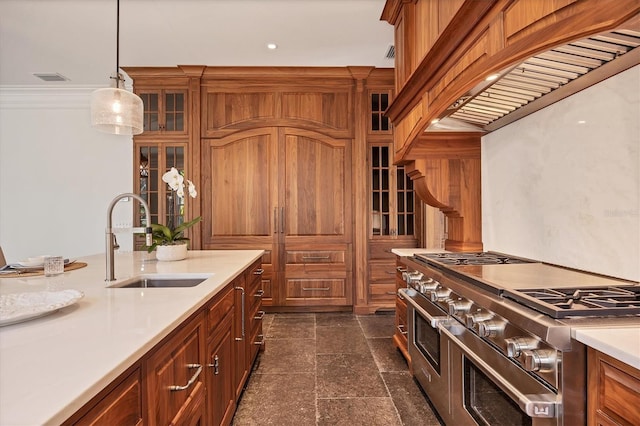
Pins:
x: 110, y: 236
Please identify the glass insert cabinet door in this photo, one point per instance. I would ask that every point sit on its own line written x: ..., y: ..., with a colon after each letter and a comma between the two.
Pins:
x: 153, y: 161
x: 392, y: 197
x: 164, y: 111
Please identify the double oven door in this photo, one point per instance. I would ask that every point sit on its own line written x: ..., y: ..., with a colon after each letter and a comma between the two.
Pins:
x: 467, y: 380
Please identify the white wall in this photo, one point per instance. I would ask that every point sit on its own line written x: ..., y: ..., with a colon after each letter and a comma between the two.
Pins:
x: 57, y: 174
x: 563, y: 184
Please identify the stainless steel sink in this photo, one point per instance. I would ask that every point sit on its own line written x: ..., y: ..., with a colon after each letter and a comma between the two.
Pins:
x: 152, y: 281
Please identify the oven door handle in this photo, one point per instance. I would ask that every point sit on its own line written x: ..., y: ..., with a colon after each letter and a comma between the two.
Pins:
x: 538, y: 405
x: 434, y: 320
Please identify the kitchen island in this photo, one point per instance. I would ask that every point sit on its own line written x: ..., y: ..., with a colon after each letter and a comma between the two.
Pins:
x: 51, y: 366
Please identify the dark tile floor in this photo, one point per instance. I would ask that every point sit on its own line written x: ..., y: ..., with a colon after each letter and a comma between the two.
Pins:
x: 331, y: 369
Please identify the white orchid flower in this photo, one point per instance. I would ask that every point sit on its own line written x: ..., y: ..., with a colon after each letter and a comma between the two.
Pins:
x: 192, y: 189
x: 174, y: 179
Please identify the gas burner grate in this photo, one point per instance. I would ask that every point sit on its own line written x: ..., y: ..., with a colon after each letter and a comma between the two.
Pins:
x: 565, y: 302
x: 470, y: 258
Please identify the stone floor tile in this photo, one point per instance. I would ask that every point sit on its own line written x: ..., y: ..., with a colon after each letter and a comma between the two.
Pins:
x: 335, y: 340
x: 357, y: 412
x: 386, y: 355
x: 409, y: 400
x: 348, y: 375
x: 278, y: 399
x: 292, y: 326
x: 377, y: 325
x: 288, y: 356
x: 336, y: 319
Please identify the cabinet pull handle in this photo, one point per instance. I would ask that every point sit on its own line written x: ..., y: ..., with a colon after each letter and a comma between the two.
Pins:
x: 316, y: 257
x: 261, y: 341
x: 259, y: 293
x: 275, y: 220
x: 281, y: 220
x: 191, y: 380
x: 258, y: 271
x: 390, y: 272
x: 400, y: 296
x: 260, y: 316
x: 401, y: 330
x: 215, y: 365
x: 316, y: 288
x: 391, y: 292
x: 239, y: 339
x: 402, y: 269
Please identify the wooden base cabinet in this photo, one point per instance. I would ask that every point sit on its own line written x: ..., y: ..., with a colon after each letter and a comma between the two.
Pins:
x: 614, y: 391
x: 400, y: 339
x: 175, y: 379
x: 196, y: 374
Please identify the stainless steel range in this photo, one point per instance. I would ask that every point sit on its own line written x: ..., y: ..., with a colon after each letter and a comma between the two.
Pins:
x: 490, y: 335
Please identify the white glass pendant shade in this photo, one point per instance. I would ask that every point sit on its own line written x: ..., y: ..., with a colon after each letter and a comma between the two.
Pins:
x: 116, y: 111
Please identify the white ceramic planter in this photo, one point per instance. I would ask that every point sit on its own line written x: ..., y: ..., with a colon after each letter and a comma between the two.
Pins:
x: 171, y: 253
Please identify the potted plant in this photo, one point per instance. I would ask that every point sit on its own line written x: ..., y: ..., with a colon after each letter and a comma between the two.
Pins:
x: 169, y: 240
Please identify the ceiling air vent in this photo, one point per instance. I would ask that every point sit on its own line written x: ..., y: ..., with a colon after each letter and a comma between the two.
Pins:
x: 50, y: 76
x: 391, y: 52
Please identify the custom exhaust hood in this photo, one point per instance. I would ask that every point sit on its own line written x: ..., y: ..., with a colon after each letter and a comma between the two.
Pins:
x: 540, y: 81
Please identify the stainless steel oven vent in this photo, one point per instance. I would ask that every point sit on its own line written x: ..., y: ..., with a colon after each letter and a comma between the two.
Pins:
x: 540, y: 76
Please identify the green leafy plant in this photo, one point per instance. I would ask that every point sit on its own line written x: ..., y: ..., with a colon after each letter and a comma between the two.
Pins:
x: 166, y: 235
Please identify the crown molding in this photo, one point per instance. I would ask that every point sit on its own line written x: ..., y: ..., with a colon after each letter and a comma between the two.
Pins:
x: 46, y: 97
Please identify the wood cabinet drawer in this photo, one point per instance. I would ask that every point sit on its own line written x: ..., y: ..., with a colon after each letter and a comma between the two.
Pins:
x: 382, y: 272
x: 313, y: 256
x: 175, y: 377
x: 614, y: 391
x: 120, y: 406
x: 382, y: 292
x: 305, y: 289
x: 219, y: 309
x: 381, y: 249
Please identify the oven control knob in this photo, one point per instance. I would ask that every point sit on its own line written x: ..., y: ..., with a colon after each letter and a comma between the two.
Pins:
x: 539, y: 359
x: 427, y: 285
x: 459, y: 307
x: 412, y: 277
x: 490, y: 328
x: 440, y: 294
x: 515, y: 345
x: 472, y: 319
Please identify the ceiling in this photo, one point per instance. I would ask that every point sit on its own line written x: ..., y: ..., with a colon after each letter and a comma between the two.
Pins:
x: 77, y: 38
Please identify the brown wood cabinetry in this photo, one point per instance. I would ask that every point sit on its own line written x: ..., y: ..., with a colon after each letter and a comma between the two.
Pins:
x: 175, y: 385
x: 219, y: 377
x: 400, y: 339
x: 118, y: 404
x: 613, y: 396
x: 197, y: 373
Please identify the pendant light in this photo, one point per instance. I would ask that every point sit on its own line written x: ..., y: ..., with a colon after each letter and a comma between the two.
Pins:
x: 115, y: 110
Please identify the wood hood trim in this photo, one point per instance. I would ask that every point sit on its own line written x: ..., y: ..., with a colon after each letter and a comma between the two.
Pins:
x: 446, y: 174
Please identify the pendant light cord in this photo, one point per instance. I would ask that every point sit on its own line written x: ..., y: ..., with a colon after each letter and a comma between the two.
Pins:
x: 118, y: 44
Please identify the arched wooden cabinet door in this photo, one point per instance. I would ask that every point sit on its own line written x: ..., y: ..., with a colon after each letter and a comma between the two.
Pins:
x: 285, y: 190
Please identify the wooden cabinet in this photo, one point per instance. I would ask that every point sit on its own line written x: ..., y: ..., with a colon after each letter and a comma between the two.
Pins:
x: 400, y: 339
x: 276, y: 171
x: 165, y: 110
x: 119, y: 404
x: 220, y: 362
x: 196, y: 374
x: 613, y: 397
x: 393, y: 208
x: 175, y: 379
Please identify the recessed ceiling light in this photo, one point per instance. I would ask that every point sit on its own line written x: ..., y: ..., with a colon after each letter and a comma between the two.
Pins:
x: 272, y: 46
x: 492, y: 77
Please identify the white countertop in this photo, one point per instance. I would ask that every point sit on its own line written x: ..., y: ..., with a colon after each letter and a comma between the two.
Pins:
x: 622, y: 343
x: 405, y: 252
x: 51, y: 366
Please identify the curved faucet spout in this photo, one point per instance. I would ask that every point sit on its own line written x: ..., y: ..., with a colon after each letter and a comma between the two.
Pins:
x: 109, y: 236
